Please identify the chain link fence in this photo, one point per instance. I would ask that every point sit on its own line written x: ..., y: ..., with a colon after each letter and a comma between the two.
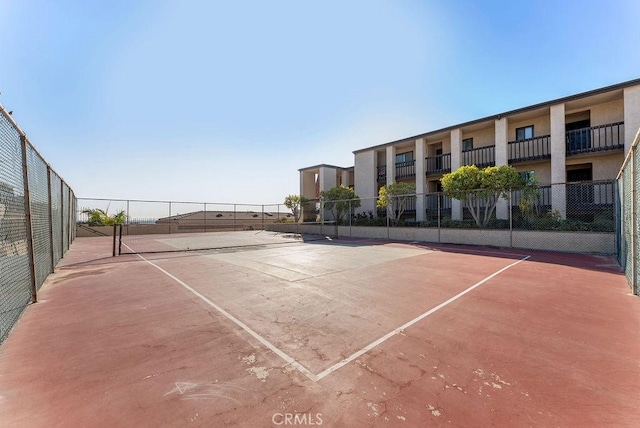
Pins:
x: 573, y: 217
x: 628, y: 231
x: 146, y: 223
x: 36, y: 211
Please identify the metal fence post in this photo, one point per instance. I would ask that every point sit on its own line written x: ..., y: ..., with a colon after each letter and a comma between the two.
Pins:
x: 27, y: 209
x: 350, y: 217
x: 69, y: 215
x: 262, y: 217
x: 389, y: 208
x: 50, y: 201
x: 115, y: 230
x: 120, y: 242
x: 511, y: 218
x: 61, y: 218
x: 634, y: 232
x: 205, y: 216
x: 439, y: 195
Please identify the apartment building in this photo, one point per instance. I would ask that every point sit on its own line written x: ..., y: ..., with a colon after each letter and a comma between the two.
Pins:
x: 581, y: 138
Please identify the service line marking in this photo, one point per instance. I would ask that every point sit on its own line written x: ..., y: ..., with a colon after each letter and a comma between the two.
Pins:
x: 372, y: 345
x: 242, y: 325
x: 290, y: 360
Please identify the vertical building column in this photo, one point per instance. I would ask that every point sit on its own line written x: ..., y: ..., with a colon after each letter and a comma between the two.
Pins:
x: 502, y: 158
x: 391, y: 165
x: 344, y: 175
x: 302, y: 181
x: 365, y: 175
x: 308, y: 190
x: 456, y: 162
x: 631, y: 115
x: 558, y: 160
x: 420, y: 179
x: 327, y: 177
x: 308, y: 184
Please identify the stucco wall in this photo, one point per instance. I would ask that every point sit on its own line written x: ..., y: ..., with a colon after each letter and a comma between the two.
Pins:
x: 483, y: 137
x: 541, y: 126
x: 604, y: 167
x: 365, y: 184
x: 541, y: 170
x: 631, y: 115
x: 611, y: 112
x: 572, y: 242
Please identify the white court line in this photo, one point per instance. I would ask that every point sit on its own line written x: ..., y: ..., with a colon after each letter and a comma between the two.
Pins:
x: 353, y: 356
x: 372, y: 345
x: 242, y: 325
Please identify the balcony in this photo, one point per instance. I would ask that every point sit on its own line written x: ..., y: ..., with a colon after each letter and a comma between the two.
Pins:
x: 403, y: 170
x: 438, y: 164
x: 431, y: 202
x: 530, y: 149
x: 406, y: 169
x: 409, y: 207
x: 481, y: 157
x: 595, y: 139
x: 590, y: 195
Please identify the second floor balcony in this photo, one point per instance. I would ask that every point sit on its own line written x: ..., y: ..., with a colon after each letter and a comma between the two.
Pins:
x: 403, y: 170
x: 481, y: 157
x: 438, y: 164
x: 406, y: 169
x: 530, y: 149
x: 595, y: 138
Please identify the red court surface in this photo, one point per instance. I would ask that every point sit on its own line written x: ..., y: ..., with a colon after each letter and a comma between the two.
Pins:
x: 343, y: 333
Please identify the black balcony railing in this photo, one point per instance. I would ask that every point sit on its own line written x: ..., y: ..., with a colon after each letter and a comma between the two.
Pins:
x: 589, y: 195
x: 530, y: 149
x: 406, y: 169
x: 431, y: 202
x: 595, y: 139
x: 408, y: 208
x: 540, y: 197
x: 382, y: 173
x: 480, y: 157
x: 438, y: 164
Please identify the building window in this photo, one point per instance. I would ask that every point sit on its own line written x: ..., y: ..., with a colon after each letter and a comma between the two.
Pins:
x: 404, y: 157
x: 467, y: 144
x: 529, y: 177
x: 524, y: 133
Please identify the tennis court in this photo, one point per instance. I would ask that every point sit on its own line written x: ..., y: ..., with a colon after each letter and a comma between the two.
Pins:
x: 268, y: 329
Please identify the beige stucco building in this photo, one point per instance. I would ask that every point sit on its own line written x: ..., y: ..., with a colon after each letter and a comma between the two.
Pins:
x: 576, y: 140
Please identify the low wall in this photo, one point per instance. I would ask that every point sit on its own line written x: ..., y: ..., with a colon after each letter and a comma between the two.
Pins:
x: 573, y: 242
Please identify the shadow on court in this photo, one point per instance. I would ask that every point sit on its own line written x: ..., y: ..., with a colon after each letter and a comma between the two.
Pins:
x: 325, y: 332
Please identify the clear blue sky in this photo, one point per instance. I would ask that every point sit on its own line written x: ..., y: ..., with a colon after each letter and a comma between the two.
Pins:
x: 223, y: 101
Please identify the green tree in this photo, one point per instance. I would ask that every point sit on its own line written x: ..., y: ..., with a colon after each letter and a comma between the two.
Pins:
x: 394, y: 198
x: 98, y: 217
x: 339, y: 200
x: 480, y: 189
x: 295, y: 204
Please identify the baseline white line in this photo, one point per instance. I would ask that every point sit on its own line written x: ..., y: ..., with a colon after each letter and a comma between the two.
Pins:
x: 372, y: 345
x: 242, y: 325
